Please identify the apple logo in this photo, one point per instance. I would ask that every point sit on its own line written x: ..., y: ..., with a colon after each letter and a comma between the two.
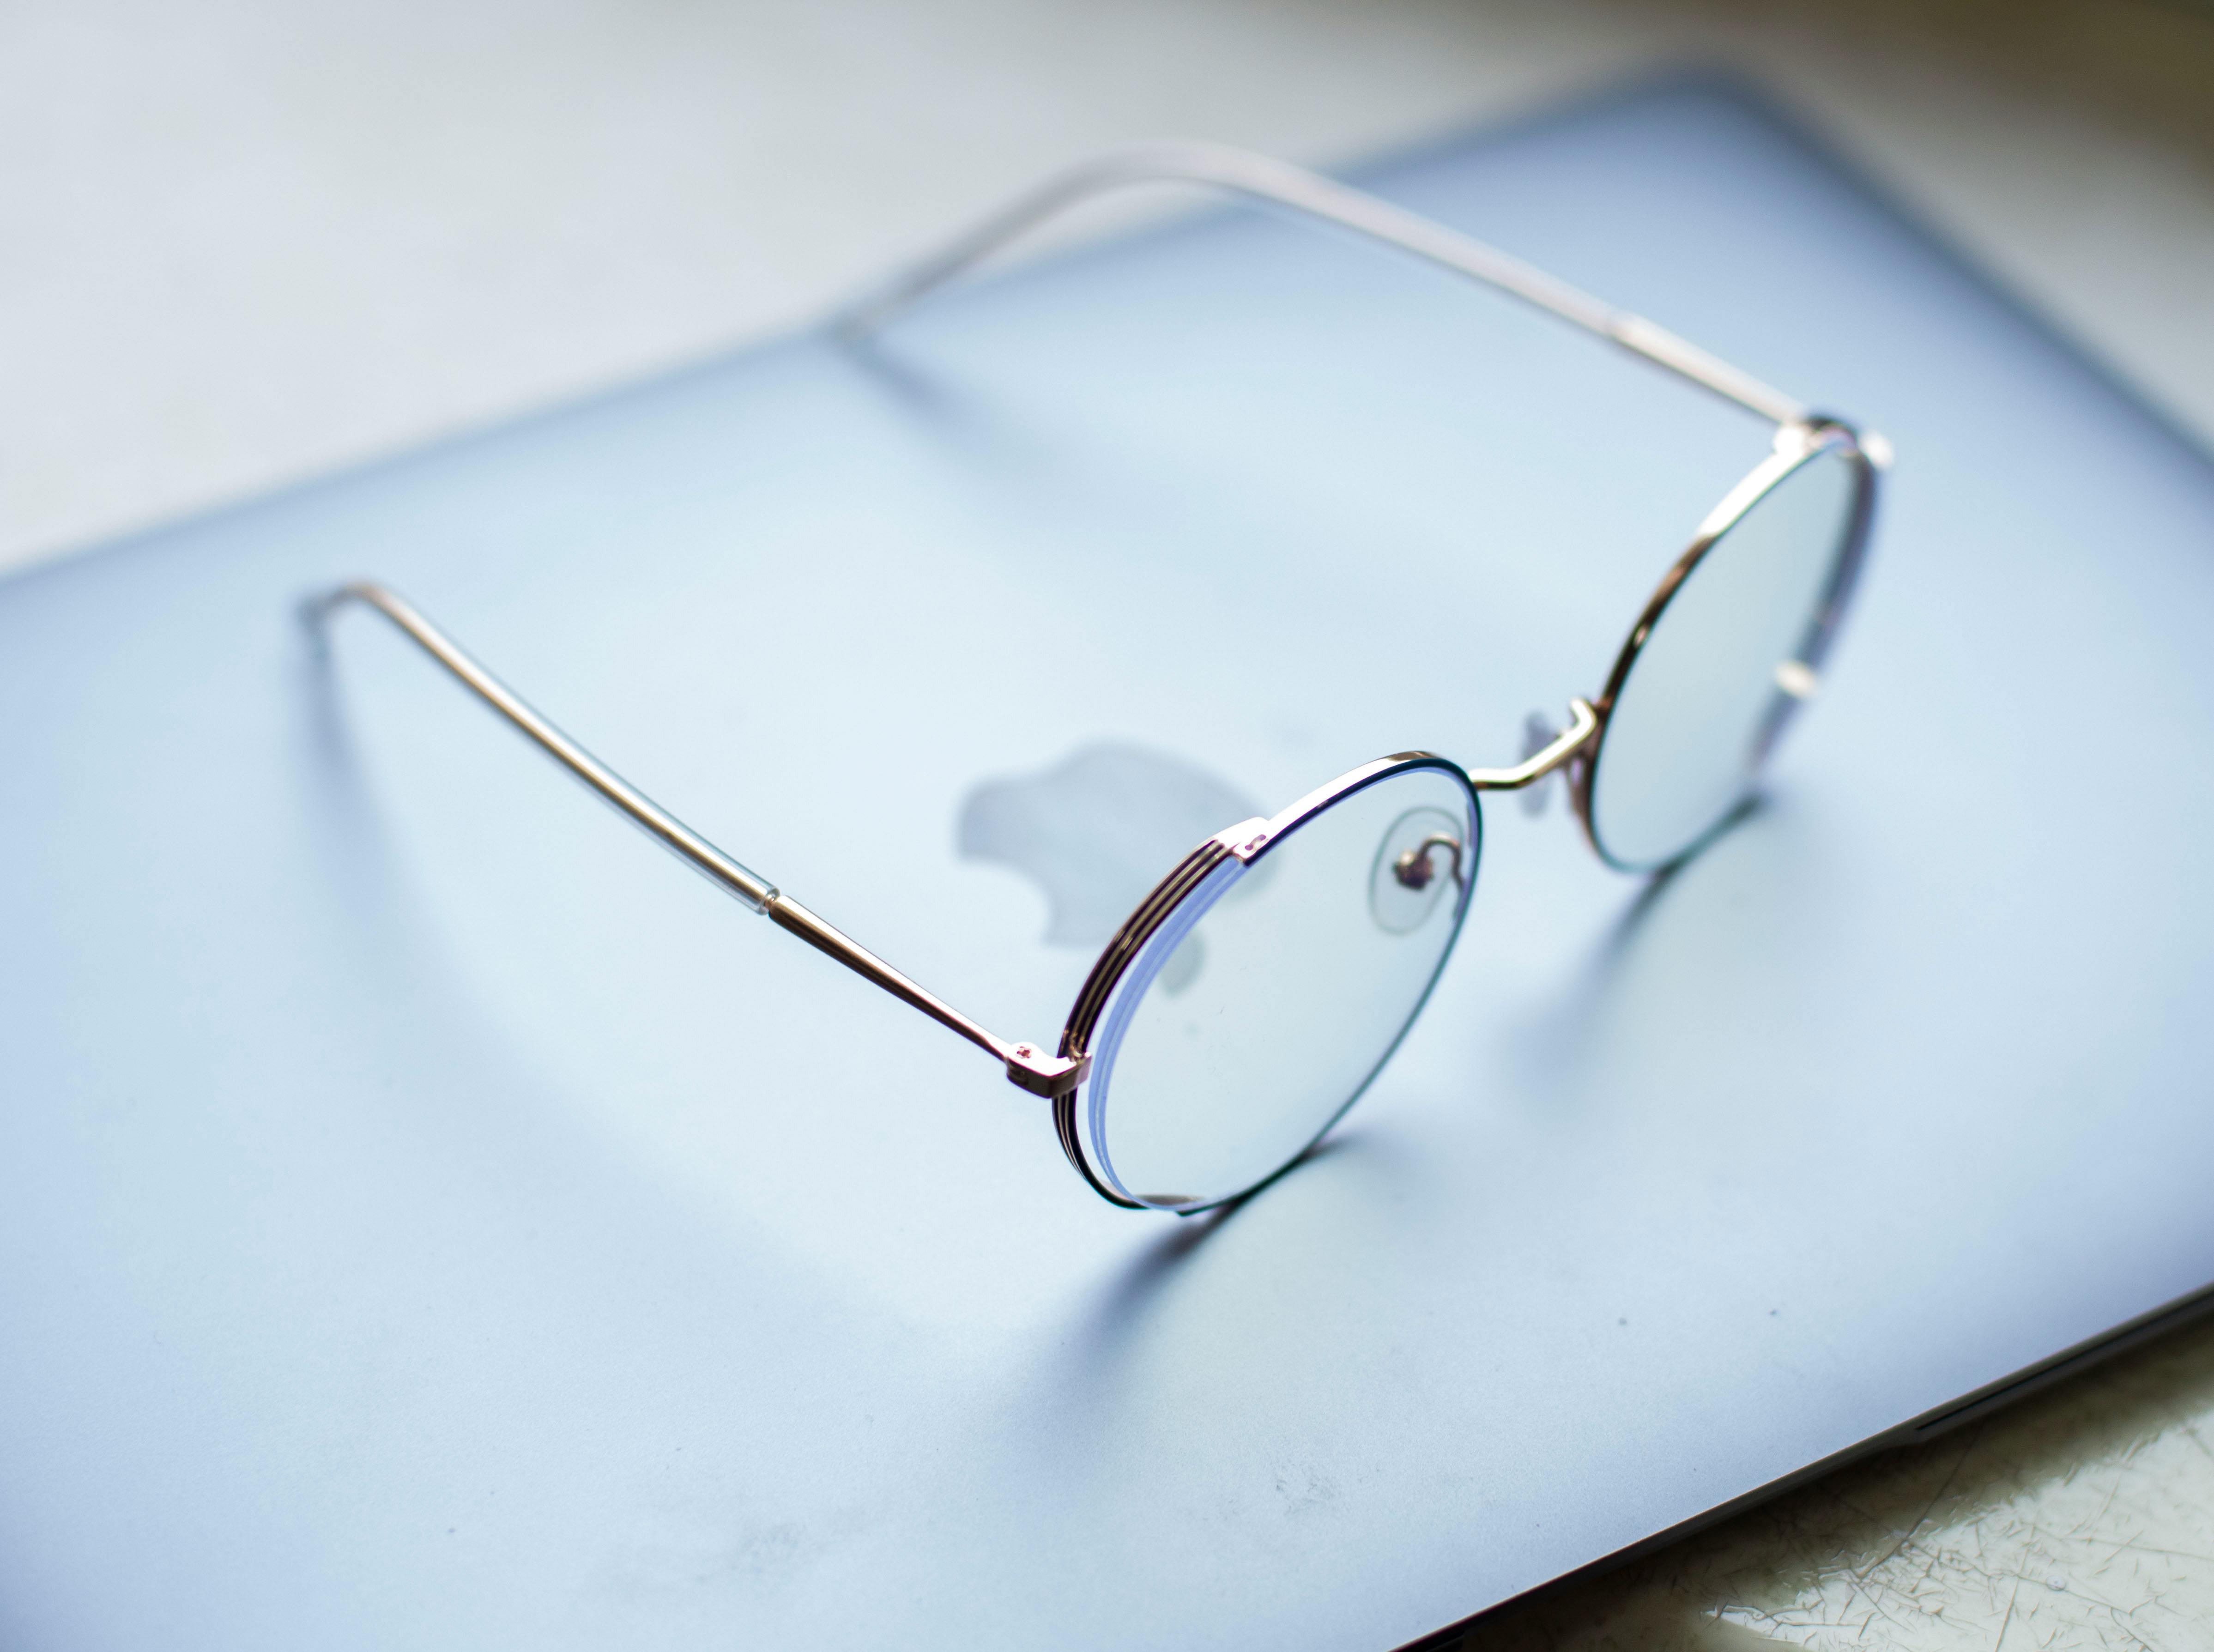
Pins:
x: 1096, y: 832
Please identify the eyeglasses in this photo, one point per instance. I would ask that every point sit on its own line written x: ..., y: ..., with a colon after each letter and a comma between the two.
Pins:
x: 1199, y: 1059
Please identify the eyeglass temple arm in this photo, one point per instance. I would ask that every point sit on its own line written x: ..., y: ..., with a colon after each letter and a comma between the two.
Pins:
x: 1278, y: 183
x: 1029, y: 1066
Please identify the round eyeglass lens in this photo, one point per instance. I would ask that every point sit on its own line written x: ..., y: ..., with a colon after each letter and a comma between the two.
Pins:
x: 1736, y: 651
x: 1273, y: 993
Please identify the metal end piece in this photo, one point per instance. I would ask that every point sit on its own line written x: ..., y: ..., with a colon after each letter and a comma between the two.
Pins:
x: 1030, y: 1068
x: 1246, y: 839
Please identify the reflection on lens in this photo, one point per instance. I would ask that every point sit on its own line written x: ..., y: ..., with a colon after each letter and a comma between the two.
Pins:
x: 1273, y: 993
x: 1732, y: 655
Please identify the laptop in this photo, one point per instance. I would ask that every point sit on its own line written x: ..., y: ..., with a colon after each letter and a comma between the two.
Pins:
x: 428, y: 1218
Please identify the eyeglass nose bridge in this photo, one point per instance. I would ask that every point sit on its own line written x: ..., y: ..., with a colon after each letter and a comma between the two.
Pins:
x: 1571, y: 743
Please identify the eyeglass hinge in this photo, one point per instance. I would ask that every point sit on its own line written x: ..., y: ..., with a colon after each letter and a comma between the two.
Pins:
x: 1246, y: 839
x: 1030, y: 1068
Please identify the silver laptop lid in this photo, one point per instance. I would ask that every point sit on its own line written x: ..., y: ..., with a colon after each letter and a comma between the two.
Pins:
x: 426, y: 1217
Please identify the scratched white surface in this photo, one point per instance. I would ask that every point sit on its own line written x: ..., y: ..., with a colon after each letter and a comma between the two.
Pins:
x: 250, y: 242
x: 2082, y: 1517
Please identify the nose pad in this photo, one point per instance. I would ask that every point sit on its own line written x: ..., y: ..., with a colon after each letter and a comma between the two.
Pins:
x: 1419, y: 859
x: 1537, y: 733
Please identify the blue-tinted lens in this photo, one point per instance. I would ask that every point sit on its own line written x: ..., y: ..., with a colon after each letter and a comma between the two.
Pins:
x: 1724, y: 667
x: 1271, y: 998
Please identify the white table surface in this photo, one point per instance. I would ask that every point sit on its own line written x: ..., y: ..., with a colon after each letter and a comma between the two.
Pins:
x: 249, y: 243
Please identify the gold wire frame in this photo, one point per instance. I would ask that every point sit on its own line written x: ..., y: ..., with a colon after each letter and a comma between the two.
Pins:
x: 1801, y: 437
